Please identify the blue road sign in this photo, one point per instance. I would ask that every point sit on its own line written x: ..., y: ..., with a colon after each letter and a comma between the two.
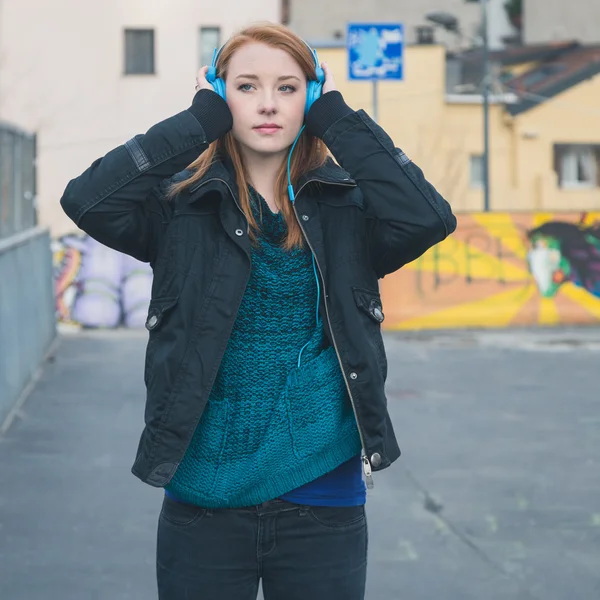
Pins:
x: 375, y: 51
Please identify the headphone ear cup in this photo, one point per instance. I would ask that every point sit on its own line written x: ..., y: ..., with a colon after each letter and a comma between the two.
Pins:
x: 217, y: 83
x: 314, y: 88
x: 211, y: 74
x: 219, y: 86
x: 313, y: 93
x: 320, y: 75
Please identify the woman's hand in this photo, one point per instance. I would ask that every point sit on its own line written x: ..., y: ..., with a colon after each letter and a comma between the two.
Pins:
x: 201, y: 82
x: 329, y: 84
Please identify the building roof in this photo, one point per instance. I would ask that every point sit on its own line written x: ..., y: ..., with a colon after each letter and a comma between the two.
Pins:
x: 516, y: 55
x: 553, y: 76
x: 561, y: 65
x: 472, y: 59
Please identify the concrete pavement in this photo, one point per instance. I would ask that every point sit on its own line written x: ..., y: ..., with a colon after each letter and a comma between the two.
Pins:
x: 497, y: 495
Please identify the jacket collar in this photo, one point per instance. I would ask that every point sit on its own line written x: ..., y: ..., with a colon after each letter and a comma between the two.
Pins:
x: 221, y: 171
x: 329, y: 172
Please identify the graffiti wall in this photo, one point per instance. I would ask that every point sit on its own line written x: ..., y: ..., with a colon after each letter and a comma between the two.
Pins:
x: 98, y: 287
x: 499, y: 270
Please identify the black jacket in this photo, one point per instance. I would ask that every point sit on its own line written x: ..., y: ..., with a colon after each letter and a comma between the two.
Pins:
x: 362, y: 220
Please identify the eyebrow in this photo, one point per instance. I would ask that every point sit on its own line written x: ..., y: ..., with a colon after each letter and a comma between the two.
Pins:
x: 255, y: 77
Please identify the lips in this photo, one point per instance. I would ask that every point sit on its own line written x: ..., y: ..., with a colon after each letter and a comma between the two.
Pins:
x: 267, y: 128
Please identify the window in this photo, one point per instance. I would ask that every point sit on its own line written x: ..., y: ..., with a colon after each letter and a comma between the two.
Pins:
x: 285, y: 12
x: 139, y: 51
x: 210, y: 38
x: 425, y: 35
x: 578, y: 166
x: 476, y: 170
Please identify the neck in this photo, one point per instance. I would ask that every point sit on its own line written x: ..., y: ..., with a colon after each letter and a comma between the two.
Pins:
x: 262, y: 171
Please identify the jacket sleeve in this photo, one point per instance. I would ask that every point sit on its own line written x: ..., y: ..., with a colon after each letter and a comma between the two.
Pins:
x: 120, y: 201
x: 407, y: 215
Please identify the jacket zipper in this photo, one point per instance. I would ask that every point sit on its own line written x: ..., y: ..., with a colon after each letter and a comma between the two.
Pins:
x: 365, y: 459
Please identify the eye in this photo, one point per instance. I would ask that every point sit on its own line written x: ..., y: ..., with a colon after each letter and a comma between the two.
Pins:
x: 245, y: 87
x: 288, y: 88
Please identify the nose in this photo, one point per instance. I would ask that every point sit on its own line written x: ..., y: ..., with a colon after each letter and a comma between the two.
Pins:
x: 268, y: 104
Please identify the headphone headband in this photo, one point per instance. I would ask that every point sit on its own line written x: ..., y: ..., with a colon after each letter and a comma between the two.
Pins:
x: 216, y: 54
x: 313, y: 53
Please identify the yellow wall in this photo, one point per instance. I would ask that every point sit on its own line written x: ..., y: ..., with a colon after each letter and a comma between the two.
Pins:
x: 410, y: 111
x: 439, y: 136
x: 570, y: 117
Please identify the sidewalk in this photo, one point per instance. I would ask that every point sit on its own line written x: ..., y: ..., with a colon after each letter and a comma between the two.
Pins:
x: 496, y: 497
x: 74, y: 523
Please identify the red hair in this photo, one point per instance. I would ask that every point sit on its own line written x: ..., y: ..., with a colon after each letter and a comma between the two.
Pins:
x: 309, y: 153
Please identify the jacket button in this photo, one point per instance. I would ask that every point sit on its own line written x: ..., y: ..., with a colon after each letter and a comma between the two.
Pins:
x: 378, y: 314
x: 305, y: 217
x: 152, y: 322
x: 353, y: 375
x: 239, y: 232
x: 376, y: 459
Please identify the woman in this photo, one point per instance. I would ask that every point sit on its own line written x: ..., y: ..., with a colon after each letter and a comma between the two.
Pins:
x: 265, y: 366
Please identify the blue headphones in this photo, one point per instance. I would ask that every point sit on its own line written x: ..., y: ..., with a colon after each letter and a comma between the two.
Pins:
x: 313, y: 88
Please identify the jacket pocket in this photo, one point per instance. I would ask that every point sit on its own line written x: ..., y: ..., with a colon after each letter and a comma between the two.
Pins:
x: 369, y: 304
x: 158, y: 312
x: 158, y: 309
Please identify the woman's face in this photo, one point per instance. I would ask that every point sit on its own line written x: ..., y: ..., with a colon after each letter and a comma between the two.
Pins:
x: 266, y: 93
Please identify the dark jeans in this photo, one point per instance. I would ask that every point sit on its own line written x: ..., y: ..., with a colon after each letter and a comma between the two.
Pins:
x: 299, y: 552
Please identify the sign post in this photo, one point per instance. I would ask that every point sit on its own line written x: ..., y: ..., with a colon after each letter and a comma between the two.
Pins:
x: 375, y: 53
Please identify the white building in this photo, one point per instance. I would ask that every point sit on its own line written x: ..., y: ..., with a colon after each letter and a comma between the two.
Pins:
x: 556, y: 20
x: 321, y: 21
x: 87, y: 76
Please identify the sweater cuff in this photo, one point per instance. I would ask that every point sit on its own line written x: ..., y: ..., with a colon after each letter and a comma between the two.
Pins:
x: 213, y: 114
x: 326, y: 111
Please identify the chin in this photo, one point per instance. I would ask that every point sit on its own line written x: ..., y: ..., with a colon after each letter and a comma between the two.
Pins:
x: 269, y: 148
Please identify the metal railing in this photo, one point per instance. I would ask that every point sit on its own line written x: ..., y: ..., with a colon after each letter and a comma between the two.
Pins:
x: 17, y: 180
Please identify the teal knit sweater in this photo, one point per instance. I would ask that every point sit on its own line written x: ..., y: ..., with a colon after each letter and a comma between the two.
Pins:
x: 270, y: 427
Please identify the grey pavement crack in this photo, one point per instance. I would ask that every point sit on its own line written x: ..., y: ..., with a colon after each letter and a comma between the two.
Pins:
x: 434, y: 507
